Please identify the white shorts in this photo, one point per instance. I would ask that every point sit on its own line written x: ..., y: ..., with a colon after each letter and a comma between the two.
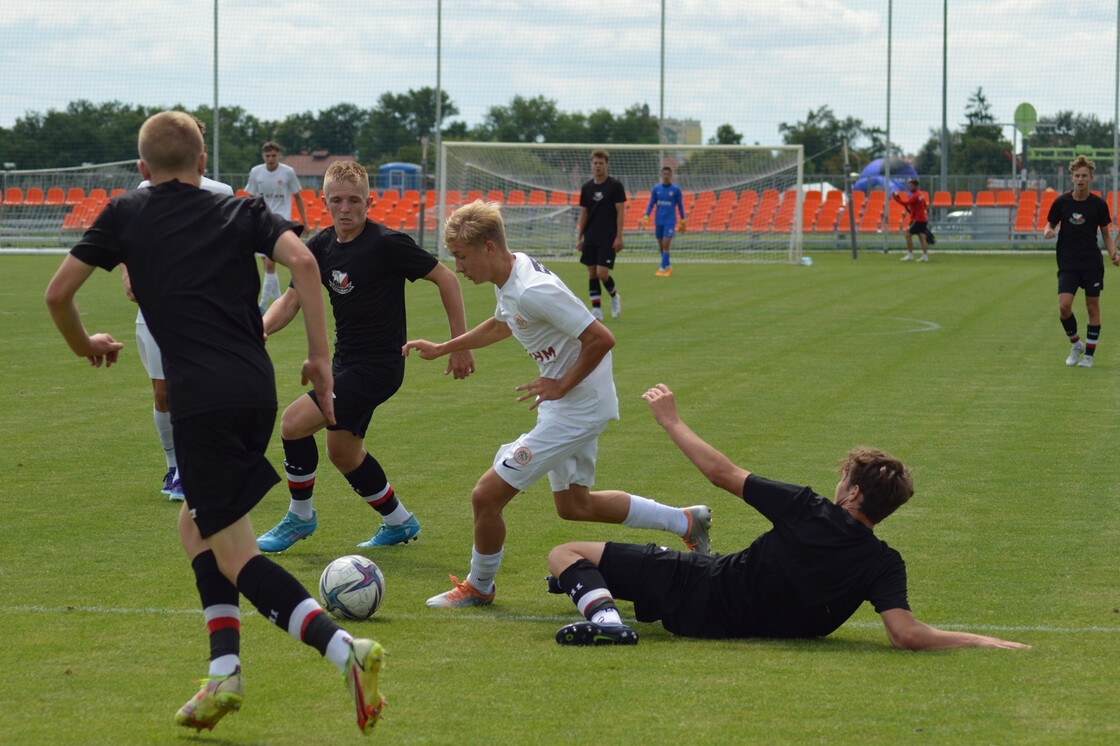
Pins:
x: 149, y: 352
x: 564, y: 451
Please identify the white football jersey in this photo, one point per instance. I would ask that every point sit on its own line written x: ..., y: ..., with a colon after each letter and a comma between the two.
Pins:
x: 277, y: 187
x: 547, y: 319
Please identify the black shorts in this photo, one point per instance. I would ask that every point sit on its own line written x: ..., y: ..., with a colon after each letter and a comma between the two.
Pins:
x: 359, y: 389
x: 918, y: 227
x: 666, y: 585
x: 222, y: 464
x: 1069, y: 280
x: 597, y: 254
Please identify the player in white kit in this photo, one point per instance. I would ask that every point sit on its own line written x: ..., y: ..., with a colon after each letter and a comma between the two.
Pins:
x: 574, y: 397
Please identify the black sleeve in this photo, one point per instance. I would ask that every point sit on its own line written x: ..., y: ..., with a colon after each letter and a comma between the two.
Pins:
x: 774, y: 500
x: 889, y: 590
x: 100, y: 247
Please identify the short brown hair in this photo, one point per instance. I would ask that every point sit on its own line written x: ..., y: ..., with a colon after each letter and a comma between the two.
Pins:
x: 885, y: 481
x: 271, y: 145
x: 1082, y: 162
x: 475, y: 224
x: 600, y: 153
x: 349, y: 171
x: 170, y: 141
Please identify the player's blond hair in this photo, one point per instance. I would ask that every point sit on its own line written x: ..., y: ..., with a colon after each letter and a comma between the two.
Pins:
x: 885, y: 481
x: 170, y: 142
x: 474, y: 224
x: 600, y: 153
x: 1082, y: 162
x: 345, y: 171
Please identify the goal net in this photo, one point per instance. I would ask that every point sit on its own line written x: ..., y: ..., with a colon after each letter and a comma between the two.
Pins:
x: 742, y: 203
x: 48, y: 210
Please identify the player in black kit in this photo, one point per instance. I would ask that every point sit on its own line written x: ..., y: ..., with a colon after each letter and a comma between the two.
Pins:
x: 602, y: 203
x: 1080, y: 214
x: 364, y: 266
x: 804, y: 578
x: 190, y: 255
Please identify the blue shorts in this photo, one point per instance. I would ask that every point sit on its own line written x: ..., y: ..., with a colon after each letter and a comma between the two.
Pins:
x: 665, y: 230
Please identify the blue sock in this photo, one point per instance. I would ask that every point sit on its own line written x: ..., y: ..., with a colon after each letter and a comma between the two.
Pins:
x: 664, y: 260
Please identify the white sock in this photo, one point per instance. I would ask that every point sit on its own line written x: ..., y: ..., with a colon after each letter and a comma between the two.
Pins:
x: 646, y: 513
x: 398, y: 516
x: 338, y: 649
x: 484, y: 568
x: 163, y: 427
x: 606, y: 616
x: 224, y: 665
x: 271, y: 285
x: 302, y: 508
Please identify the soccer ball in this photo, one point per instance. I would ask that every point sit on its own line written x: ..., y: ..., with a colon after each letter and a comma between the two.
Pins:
x: 352, y: 587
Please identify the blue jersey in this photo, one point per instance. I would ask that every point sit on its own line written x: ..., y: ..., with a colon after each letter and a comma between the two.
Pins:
x: 669, y: 200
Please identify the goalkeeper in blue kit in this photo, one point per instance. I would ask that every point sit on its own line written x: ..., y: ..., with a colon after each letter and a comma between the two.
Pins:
x: 669, y: 200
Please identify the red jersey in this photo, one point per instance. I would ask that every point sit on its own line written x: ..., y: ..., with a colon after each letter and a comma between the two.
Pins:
x: 916, y: 204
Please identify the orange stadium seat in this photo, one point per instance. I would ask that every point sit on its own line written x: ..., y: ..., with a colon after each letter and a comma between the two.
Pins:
x: 516, y: 198
x: 810, y: 206
x: 33, y: 197
x: 1045, y: 200
x: 962, y: 199
x: 1026, y: 213
x: 942, y: 199
x: 13, y: 196
x: 241, y: 193
x: 75, y: 195
x: 116, y: 192
x: 473, y: 196
x: 825, y: 222
x: 55, y: 197
x: 99, y: 194
x: 559, y: 198
x: 768, y: 205
x: 783, y: 218
x: 743, y: 212
x: 537, y: 197
x: 454, y: 198
x: 496, y: 195
x: 985, y: 198
x: 872, y: 217
x: 1005, y: 198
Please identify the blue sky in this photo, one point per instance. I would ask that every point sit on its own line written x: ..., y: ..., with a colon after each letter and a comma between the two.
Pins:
x: 748, y: 63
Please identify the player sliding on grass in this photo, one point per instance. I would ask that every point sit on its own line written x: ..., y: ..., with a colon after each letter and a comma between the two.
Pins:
x: 668, y: 200
x: 190, y: 257
x: 363, y: 265
x: 804, y: 578
x: 574, y: 397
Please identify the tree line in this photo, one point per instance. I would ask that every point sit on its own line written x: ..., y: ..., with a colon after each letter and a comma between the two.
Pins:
x: 392, y: 130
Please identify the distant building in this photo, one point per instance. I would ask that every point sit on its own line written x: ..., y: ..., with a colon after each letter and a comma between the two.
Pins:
x: 682, y: 131
x: 310, y: 168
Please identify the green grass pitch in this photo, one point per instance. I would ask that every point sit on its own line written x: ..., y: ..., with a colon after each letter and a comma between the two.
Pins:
x: 955, y: 366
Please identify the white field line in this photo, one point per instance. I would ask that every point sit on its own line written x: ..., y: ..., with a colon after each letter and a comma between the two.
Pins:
x: 502, y: 617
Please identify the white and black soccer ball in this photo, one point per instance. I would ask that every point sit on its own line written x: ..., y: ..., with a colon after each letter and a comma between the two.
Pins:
x: 352, y: 587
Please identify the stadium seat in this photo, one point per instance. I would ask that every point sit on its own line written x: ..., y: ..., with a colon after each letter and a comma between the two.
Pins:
x: 496, y: 195
x: 99, y: 194
x: 810, y: 206
x: 1005, y: 198
x: 743, y: 213
x: 985, y: 198
x: 55, y: 197
x: 942, y: 199
x: 75, y: 195
x: 559, y: 198
x: 33, y: 197
x: 1026, y: 213
x: 241, y: 193
x: 768, y: 204
x: 783, y: 217
x: 537, y: 197
x: 516, y: 198
x: 308, y: 196
x: 962, y: 199
x: 825, y: 222
x: 454, y: 198
x: 872, y: 218
x: 472, y: 196
x: 116, y: 193
x: 13, y: 197
x: 1045, y: 200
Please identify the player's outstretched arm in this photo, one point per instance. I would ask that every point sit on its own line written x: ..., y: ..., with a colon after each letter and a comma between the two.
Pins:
x: 461, y: 363
x: 59, y: 297
x: 281, y: 312
x: 719, y: 469
x: 595, y: 341
x: 907, y: 633
x: 291, y: 252
x: 486, y: 333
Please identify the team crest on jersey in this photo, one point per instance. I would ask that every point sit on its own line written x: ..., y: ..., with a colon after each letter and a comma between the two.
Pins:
x: 340, y: 282
x: 1077, y: 219
x: 598, y: 197
x: 522, y: 455
x: 520, y: 322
